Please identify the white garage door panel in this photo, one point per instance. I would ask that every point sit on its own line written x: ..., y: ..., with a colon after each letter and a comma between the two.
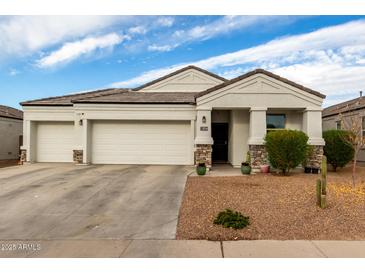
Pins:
x: 55, y: 142
x: 140, y: 142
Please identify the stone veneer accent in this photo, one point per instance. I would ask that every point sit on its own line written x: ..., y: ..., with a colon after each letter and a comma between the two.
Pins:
x: 315, y: 159
x: 203, y: 154
x: 78, y: 156
x: 258, y: 156
x: 23, y: 155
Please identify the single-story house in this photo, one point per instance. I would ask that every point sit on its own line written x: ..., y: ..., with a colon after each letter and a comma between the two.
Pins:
x: 185, y: 117
x: 353, y: 108
x: 11, y: 131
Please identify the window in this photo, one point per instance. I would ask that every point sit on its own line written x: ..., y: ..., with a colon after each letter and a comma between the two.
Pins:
x: 363, y: 126
x: 275, y: 121
x: 338, y: 125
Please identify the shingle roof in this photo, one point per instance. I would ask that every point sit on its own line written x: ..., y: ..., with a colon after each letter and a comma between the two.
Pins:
x: 10, y: 112
x: 179, y: 71
x: 351, y: 105
x: 262, y: 71
x: 124, y: 96
x: 65, y: 100
x: 139, y: 97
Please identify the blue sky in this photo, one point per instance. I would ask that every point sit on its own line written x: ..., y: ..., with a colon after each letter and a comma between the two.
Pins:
x: 45, y: 56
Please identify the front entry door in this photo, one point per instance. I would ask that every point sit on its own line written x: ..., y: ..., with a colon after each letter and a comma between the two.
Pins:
x: 220, y: 145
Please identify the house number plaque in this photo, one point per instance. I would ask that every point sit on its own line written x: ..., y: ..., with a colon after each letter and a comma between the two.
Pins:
x: 203, y: 128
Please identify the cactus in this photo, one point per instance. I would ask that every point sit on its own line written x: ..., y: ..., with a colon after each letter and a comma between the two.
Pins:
x: 319, y: 191
x: 324, y: 175
x: 248, y: 158
x: 321, y: 185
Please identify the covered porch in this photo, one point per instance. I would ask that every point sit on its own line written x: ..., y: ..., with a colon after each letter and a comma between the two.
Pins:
x: 224, y: 136
x: 245, y: 108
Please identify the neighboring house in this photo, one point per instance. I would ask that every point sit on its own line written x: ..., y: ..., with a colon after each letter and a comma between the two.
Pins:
x: 11, y: 131
x: 354, y: 107
x: 188, y: 116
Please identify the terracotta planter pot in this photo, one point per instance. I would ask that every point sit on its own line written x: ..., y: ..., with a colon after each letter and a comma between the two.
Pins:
x: 265, y: 168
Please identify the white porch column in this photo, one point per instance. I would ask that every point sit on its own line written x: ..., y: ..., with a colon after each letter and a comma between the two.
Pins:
x: 257, y: 129
x: 203, y: 139
x: 25, y: 148
x: 312, y: 126
x: 86, y: 141
x: 203, y: 128
x: 28, y: 147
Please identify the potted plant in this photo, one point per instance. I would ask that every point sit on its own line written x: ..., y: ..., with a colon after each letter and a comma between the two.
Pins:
x: 201, y: 168
x: 315, y: 170
x: 265, y: 168
x: 246, y: 166
x: 307, y: 169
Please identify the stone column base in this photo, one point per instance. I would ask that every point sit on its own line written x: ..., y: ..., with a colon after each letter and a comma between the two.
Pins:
x: 203, y: 154
x: 258, y: 155
x: 78, y: 155
x: 315, y: 159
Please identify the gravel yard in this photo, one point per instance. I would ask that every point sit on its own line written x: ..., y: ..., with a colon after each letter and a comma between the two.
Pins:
x: 279, y: 207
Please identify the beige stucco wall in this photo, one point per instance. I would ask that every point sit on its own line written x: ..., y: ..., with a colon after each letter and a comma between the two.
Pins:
x: 293, y: 118
x: 90, y: 112
x: 238, y: 136
x: 330, y: 123
x: 260, y: 91
x: 220, y: 116
x: 10, y: 130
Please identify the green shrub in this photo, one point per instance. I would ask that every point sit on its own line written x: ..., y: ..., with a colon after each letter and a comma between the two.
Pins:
x: 230, y: 218
x: 337, y: 150
x: 286, y: 148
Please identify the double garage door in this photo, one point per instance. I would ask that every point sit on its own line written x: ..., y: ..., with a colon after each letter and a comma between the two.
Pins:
x: 119, y: 142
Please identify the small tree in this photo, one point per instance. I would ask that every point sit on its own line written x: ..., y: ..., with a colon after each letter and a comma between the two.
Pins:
x: 337, y: 150
x: 355, y: 138
x: 286, y: 148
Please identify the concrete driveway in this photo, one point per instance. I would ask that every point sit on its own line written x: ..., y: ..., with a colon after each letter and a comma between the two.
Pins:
x: 64, y: 201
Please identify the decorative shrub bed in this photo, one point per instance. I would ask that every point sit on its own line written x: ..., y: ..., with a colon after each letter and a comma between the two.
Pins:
x: 230, y: 218
x: 338, y: 151
x: 286, y: 148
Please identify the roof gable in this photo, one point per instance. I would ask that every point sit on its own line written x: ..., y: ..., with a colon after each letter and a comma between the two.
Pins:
x: 258, y: 89
x: 267, y: 73
x: 187, y: 79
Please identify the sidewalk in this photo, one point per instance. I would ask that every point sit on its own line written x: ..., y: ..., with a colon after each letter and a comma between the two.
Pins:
x: 181, y: 249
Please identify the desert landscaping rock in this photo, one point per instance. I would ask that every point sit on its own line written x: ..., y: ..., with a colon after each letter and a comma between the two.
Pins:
x: 279, y: 207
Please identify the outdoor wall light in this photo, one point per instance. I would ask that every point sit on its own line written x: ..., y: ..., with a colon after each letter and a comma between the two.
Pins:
x: 204, y: 120
x: 80, y: 122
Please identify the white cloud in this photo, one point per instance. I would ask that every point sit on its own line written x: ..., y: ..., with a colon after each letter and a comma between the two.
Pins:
x: 146, y: 76
x: 13, y: 72
x: 165, y: 21
x: 24, y: 35
x: 328, y: 60
x: 154, y: 47
x: 72, y: 50
x: 217, y: 27
x: 138, y: 30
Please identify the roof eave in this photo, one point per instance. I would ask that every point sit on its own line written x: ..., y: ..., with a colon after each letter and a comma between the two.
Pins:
x: 134, y: 103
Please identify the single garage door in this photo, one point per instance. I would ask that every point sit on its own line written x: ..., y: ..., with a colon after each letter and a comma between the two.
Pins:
x: 141, y: 142
x: 55, y: 141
